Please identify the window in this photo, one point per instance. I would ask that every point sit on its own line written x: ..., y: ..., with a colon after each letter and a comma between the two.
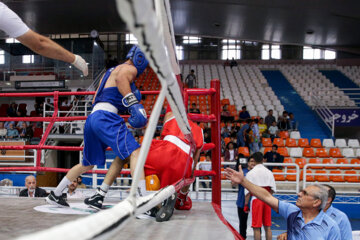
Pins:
x: 11, y: 40
x: 2, y: 57
x: 191, y: 40
x: 330, y: 54
x: 231, y: 49
x: 130, y: 39
x: 316, y: 53
x: 270, y: 52
x: 180, y: 52
x: 28, y: 59
x: 265, y: 52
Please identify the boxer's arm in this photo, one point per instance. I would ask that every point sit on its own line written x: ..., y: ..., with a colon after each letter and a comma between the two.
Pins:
x: 123, y: 78
x: 97, y: 89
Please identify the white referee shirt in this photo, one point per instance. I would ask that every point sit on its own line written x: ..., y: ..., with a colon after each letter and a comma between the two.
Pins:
x: 11, y: 23
x: 261, y: 176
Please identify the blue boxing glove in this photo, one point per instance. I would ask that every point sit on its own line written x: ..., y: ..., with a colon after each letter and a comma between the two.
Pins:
x: 135, y: 91
x: 138, y: 117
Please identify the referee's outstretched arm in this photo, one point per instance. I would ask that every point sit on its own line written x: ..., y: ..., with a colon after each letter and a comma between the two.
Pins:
x: 259, y: 192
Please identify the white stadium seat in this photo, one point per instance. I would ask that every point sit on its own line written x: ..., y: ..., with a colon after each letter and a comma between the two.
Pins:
x: 354, y: 143
x: 341, y: 143
x: 328, y: 143
x: 348, y: 153
x: 295, y: 135
x: 295, y: 152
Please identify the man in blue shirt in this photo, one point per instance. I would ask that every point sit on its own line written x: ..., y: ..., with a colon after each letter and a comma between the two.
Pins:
x: 305, y: 220
x: 243, y: 211
x: 241, y: 134
x: 338, y: 216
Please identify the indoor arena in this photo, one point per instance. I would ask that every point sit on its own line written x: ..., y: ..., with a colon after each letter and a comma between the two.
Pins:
x: 179, y: 119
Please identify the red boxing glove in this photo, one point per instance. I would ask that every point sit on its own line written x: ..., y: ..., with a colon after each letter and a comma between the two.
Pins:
x: 246, y: 208
x: 183, y: 201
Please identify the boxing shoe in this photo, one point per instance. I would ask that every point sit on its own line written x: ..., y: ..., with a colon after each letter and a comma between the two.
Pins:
x: 95, y: 201
x: 167, y: 209
x: 56, y: 200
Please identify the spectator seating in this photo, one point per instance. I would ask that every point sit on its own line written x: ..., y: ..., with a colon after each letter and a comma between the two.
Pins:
x: 315, y: 143
x: 306, y: 78
x: 336, y: 178
x: 335, y: 153
x: 244, y: 150
x: 303, y: 142
x: 348, y: 153
x: 242, y: 85
x: 266, y: 142
x: 295, y: 135
x: 329, y: 161
x: 295, y: 152
x: 300, y: 162
x: 291, y: 142
x: 353, y: 143
x: 341, y: 143
x: 279, y: 142
x: 352, y: 72
x: 328, y: 143
x: 321, y: 152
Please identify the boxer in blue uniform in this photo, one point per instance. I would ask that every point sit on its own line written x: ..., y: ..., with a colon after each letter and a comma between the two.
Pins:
x: 105, y: 128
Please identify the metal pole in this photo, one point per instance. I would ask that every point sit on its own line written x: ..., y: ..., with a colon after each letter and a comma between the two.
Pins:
x: 215, y: 138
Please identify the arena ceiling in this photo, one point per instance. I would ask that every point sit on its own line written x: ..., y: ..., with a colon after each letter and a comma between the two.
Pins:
x: 328, y: 23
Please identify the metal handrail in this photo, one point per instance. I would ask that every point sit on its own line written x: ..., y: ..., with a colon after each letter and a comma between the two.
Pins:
x: 309, y: 165
x: 323, y: 112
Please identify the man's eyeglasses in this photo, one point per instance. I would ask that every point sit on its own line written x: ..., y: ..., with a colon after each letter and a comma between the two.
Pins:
x: 305, y: 193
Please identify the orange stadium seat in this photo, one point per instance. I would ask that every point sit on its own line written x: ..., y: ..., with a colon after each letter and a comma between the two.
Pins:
x: 309, y: 176
x: 308, y: 152
x: 266, y: 142
x: 267, y: 149
x: 284, y: 134
x: 291, y: 177
x: 279, y: 142
x: 278, y: 175
x: 315, y: 142
x: 300, y: 162
x: 321, y: 178
x: 329, y: 161
x: 356, y: 162
x: 227, y: 140
x: 335, y: 153
x: 223, y: 177
x: 224, y: 101
x: 351, y: 178
x: 244, y: 150
x: 343, y: 161
x: 283, y: 152
x: 336, y: 178
x: 315, y: 161
x: 303, y: 142
x: 290, y: 142
x: 321, y: 152
x: 288, y: 160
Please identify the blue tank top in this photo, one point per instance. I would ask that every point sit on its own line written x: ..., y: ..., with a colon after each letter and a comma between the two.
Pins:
x: 110, y: 94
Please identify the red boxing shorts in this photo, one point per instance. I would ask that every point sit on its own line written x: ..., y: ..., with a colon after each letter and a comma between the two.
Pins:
x: 167, y: 161
x: 261, y: 214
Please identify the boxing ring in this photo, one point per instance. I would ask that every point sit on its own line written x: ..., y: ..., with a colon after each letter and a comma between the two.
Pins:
x: 203, y: 220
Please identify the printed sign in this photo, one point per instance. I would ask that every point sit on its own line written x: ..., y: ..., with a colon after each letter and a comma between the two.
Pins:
x: 346, y: 117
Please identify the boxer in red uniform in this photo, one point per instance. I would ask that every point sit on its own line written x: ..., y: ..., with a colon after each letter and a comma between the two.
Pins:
x: 168, y: 160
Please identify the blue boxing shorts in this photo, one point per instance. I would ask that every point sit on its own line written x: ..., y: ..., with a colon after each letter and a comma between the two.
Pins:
x: 103, y: 129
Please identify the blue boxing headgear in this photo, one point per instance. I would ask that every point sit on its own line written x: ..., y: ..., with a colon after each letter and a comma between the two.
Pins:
x: 138, y: 58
